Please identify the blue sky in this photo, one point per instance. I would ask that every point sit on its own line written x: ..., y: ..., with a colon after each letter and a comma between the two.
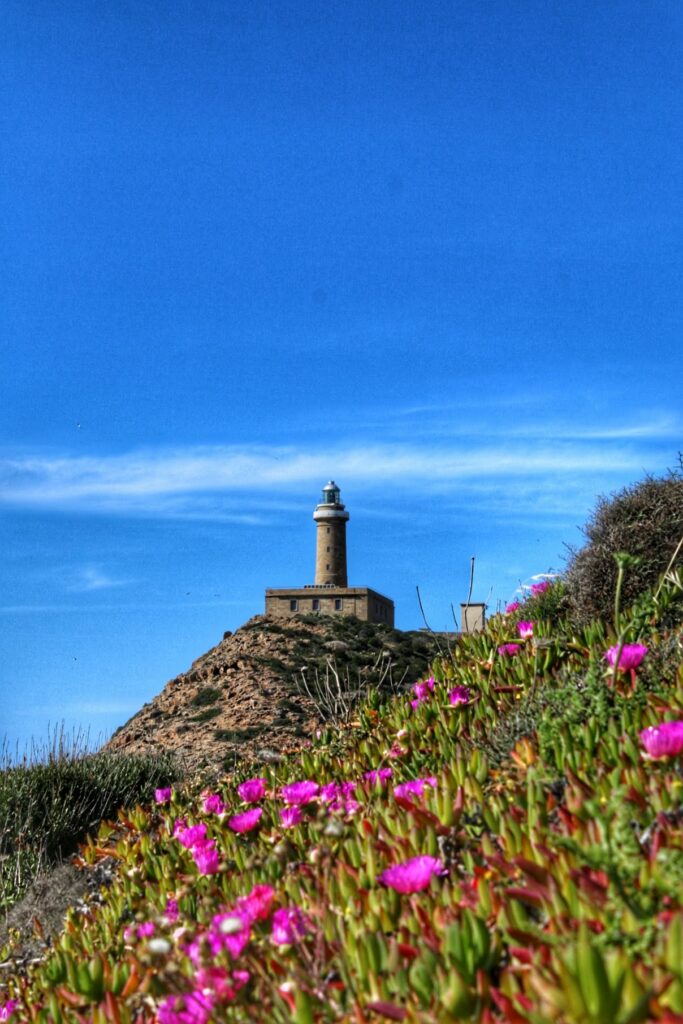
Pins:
x: 430, y: 250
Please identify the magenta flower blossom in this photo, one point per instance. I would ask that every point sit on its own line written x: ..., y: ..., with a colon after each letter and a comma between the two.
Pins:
x: 146, y: 929
x: 189, y: 837
x: 206, y: 857
x: 460, y: 695
x: 172, y: 912
x: 290, y: 816
x: 252, y: 790
x: 8, y: 1008
x: 381, y: 775
x: 300, y: 792
x: 330, y: 792
x: 213, y: 804
x: 412, y: 875
x: 422, y: 691
x: 289, y: 925
x: 539, y: 588
x: 526, y: 629
x: 630, y: 658
x: 415, y: 787
x: 247, y: 821
x: 162, y: 796
x: 257, y: 903
x: 508, y: 650
x: 194, y: 1007
x: 665, y: 740
x: 222, y: 983
x: 512, y: 607
x: 230, y: 930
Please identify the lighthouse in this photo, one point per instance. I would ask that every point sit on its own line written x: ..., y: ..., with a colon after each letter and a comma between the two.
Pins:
x: 330, y: 550
x: 331, y: 593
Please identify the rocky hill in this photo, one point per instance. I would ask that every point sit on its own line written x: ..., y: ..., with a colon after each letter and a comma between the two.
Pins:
x: 263, y: 690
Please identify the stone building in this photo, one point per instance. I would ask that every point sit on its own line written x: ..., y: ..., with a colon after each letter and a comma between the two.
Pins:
x: 330, y: 594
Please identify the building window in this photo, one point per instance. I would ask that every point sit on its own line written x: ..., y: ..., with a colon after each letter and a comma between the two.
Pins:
x: 327, y: 567
x: 316, y: 604
x: 338, y: 604
x: 327, y: 548
x: 327, y: 528
x: 293, y: 605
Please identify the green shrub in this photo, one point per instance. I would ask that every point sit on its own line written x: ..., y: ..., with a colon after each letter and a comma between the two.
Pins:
x: 646, y: 520
x: 46, y: 809
x: 209, y: 695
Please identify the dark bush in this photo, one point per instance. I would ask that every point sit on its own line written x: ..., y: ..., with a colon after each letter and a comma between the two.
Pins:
x: 646, y: 520
x: 208, y: 695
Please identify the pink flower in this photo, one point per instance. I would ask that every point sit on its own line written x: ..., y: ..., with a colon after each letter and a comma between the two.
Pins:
x: 213, y: 804
x: 381, y: 775
x: 171, y: 913
x: 8, y: 1008
x: 290, y: 816
x: 146, y: 929
x: 300, y: 792
x: 512, y: 607
x: 206, y: 857
x: 422, y: 690
x: 289, y: 925
x: 162, y: 796
x: 396, y: 750
x: 247, y: 821
x: 256, y: 904
x: 412, y: 875
x: 192, y: 1008
x: 539, y: 588
x: 508, y: 650
x: 230, y: 930
x: 415, y: 787
x: 526, y: 629
x: 630, y: 658
x: 460, y: 695
x: 665, y: 740
x: 329, y: 793
x: 224, y: 984
x: 189, y: 837
x: 252, y: 790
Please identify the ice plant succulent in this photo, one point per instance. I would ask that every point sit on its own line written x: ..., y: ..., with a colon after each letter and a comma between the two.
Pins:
x: 460, y: 695
x: 247, y: 821
x: 422, y: 690
x: 161, y: 796
x: 665, y: 740
x: 290, y: 816
x: 525, y: 629
x: 415, y: 787
x: 300, y: 792
x: 289, y: 925
x: 206, y: 857
x: 412, y: 875
x: 213, y: 804
x: 512, y: 607
x: 630, y: 658
x: 539, y: 588
x: 508, y: 650
x: 252, y: 790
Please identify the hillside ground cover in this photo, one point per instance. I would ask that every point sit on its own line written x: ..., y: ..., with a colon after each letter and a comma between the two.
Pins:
x: 52, y: 798
x: 503, y: 843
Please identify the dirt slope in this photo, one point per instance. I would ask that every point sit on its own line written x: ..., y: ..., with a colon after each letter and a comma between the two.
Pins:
x: 243, y: 698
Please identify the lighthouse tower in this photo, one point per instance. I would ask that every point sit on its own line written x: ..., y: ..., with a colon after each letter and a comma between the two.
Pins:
x: 331, y: 593
x: 330, y: 549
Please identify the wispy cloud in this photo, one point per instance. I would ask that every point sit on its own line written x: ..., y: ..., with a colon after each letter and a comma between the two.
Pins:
x: 91, y: 577
x: 236, y: 484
